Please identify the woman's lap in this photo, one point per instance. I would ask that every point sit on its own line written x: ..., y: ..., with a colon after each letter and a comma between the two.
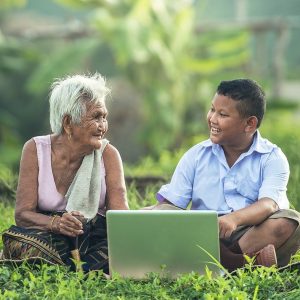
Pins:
x: 24, y: 244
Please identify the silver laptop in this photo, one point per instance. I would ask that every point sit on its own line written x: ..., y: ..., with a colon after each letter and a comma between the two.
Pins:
x: 168, y: 242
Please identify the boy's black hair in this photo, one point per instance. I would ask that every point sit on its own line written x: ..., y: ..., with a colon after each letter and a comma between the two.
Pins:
x: 248, y: 94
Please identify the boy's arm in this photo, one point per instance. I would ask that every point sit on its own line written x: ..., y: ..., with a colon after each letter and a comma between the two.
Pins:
x: 272, y: 196
x: 159, y: 205
x: 250, y: 215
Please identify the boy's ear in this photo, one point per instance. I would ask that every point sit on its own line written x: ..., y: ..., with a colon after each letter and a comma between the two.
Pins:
x: 251, y: 125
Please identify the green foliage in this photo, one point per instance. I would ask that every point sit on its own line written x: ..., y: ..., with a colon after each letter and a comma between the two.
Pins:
x: 163, y: 166
x: 5, y: 4
x: 8, y: 185
x: 7, y: 217
x: 60, y: 63
x: 152, y: 44
x: 139, y: 199
x: 20, y: 112
x: 166, y: 162
x: 24, y: 110
x: 155, y: 46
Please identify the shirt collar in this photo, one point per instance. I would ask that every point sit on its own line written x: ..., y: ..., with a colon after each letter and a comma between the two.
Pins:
x: 259, y: 145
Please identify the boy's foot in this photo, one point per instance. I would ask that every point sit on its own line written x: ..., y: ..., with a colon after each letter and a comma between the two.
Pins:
x: 266, y: 256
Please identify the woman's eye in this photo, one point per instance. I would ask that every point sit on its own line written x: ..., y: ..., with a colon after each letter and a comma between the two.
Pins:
x: 101, y: 117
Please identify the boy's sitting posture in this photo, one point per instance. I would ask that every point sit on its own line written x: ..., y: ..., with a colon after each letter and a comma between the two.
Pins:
x: 240, y: 175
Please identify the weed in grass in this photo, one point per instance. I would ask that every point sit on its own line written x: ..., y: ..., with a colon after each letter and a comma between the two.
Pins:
x: 295, y: 258
x: 7, y: 217
x: 137, y: 200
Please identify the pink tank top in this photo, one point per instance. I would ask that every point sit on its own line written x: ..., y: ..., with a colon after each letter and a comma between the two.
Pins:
x: 49, y: 199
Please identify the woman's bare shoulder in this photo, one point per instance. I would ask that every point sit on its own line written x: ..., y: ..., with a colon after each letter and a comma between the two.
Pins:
x: 29, y: 152
x: 111, y: 152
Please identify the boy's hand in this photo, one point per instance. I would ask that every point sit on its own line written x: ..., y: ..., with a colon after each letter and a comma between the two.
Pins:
x: 227, y: 225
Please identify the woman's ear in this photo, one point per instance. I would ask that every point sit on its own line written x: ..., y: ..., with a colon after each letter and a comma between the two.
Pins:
x: 67, y: 124
x: 251, y: 125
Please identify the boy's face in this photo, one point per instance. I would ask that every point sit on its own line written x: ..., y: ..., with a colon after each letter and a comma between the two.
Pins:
x: 227, y: 127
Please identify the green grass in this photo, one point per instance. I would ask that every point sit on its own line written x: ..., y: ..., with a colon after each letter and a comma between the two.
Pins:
x: 56, y: 282
x: 7, y: 217
x: 53, y: 282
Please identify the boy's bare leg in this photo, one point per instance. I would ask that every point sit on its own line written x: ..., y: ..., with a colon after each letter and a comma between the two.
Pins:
x: 271, y: 231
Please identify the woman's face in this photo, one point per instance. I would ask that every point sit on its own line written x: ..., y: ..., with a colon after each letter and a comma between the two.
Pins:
x: 93, y: 126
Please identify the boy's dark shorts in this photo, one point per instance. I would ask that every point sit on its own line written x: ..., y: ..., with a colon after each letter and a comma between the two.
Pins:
x: 283, y: 253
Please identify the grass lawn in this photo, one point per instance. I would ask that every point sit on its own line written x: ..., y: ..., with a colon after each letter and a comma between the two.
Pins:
x: 56, y: 282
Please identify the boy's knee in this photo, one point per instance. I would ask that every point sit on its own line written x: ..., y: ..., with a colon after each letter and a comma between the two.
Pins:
x: 290, y: 245
x: 282, y: 228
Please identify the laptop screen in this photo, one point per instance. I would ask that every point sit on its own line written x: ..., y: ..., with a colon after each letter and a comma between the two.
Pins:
x: 168, y: 242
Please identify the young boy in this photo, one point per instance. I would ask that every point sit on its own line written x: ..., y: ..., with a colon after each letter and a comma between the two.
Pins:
x: 241, y: 176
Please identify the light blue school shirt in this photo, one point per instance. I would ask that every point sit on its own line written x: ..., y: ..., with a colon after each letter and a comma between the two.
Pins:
x: 204, y: 177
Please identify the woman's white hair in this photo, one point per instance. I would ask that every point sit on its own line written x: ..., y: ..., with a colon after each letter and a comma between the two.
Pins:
x: 70, y: 95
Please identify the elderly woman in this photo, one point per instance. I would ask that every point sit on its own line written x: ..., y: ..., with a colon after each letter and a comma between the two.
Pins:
x: 67, y: 181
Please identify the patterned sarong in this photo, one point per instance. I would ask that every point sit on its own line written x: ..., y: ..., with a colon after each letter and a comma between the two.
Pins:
x: 34, y: 245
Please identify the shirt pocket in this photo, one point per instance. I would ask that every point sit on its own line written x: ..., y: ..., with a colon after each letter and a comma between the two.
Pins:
x: 248, y: 189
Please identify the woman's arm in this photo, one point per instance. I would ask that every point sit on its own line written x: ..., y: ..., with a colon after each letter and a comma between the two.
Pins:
x: 115, y: 183
x: 27, y: 192
x: 26, y: 214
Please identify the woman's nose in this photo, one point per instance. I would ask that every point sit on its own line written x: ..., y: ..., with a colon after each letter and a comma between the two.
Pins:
x: 101, y: 122
x: 102, y: 125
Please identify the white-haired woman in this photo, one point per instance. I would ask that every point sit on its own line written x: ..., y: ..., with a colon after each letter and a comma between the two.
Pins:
x: 67, y: 181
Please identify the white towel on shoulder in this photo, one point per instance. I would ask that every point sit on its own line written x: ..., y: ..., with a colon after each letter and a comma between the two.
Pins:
x: 83, y: 194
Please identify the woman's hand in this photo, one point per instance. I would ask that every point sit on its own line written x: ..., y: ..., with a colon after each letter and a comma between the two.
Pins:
x: 70, y: 224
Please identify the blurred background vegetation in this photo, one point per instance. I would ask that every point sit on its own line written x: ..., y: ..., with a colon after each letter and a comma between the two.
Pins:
x: 163, y: 60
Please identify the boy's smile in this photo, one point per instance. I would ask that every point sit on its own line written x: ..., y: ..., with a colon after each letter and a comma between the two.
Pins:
x: 227, y: 127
